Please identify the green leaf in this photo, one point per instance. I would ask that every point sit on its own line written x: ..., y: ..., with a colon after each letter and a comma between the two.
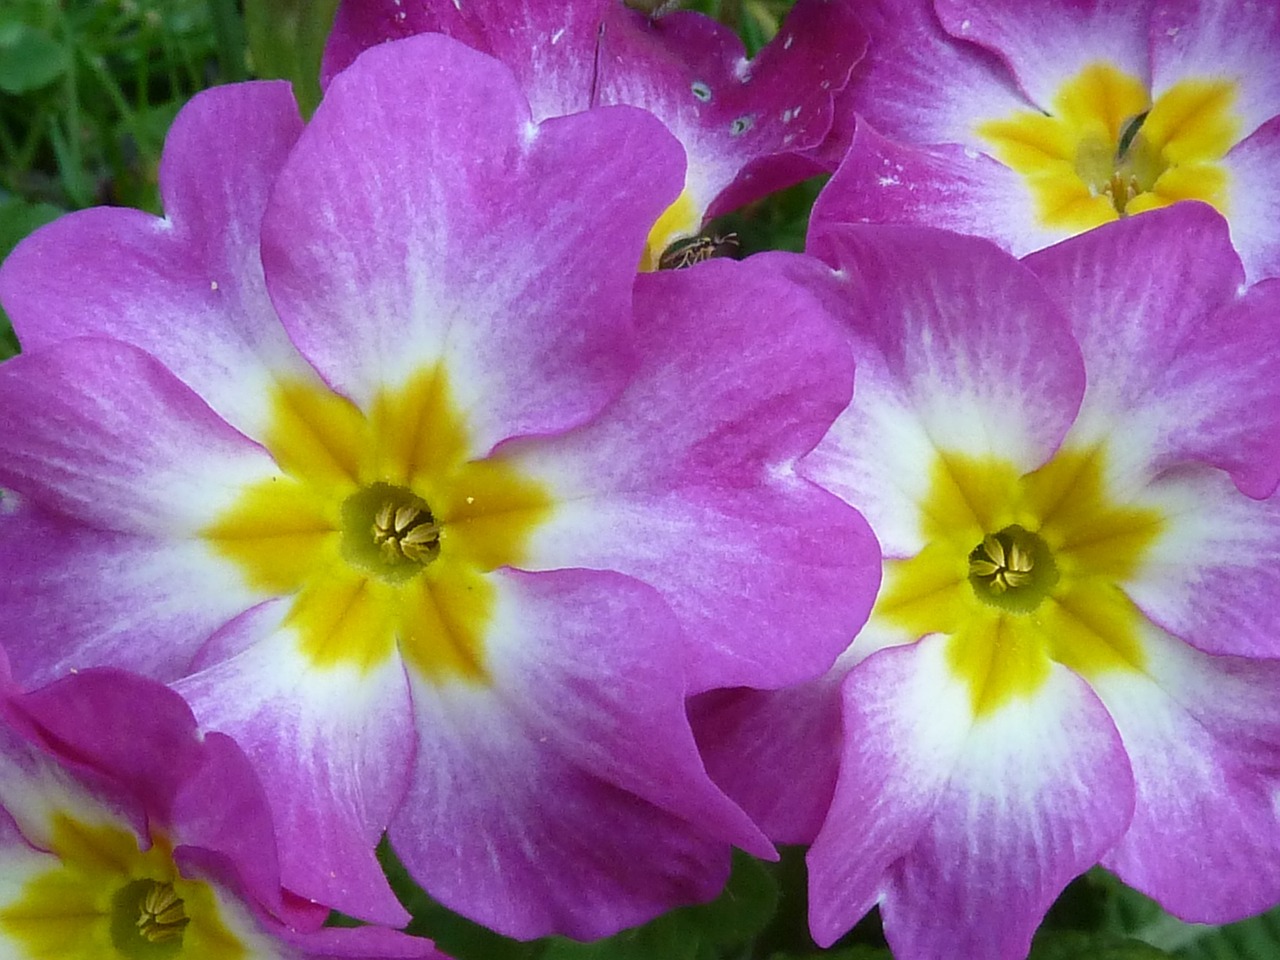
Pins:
x: 744, y: 908
x: 1125, y: 910
x: 286, y: 41
x: 19, y: 218
x: 1254, y: 939
x: 656, y: 939
x: 29, y: 58
x: 1079, y: 945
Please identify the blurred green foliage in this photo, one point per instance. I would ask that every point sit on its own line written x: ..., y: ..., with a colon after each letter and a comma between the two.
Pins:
x: 87, y: 91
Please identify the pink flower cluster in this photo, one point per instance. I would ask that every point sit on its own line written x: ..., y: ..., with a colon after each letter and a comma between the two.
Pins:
x: 386, y: 487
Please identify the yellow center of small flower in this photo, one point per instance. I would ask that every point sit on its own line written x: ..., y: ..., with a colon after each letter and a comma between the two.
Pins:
x: 383, y: 528
x: 1020, y: 571
x: 96, y: 894
x: 1106, y: 151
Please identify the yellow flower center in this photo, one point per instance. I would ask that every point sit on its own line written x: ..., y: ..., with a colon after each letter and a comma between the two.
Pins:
x: 382, y: 529
x: 103, y: 897
x: 1106, y: 151
x: 1020, y: 571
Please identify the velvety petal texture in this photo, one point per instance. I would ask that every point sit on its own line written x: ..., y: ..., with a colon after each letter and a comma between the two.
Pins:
x: 954, y: 187
x: 1179, y: 357
x: 334, y: 750
x: 102, y: 432
x: 103, y: 823
x: 1031, y: 122
x: 1203, y: 734
x: 378, y: 565
x: 502, y: 771
x: 923, y: 817
x: 1079, y: 32
x: 742, y: 373
x: 744, y: 123
x: 151, y: 605
x: 402, y: 263
x: 947, y: 332
x: 1220, y: 39
x: 1071, y: 469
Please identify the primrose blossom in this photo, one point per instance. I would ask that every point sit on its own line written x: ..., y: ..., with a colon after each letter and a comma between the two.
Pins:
x: 1070, y: 466
x: 425, y: 498
x: 126, y: 834
x: 1029, y: 122
x: 748, y: 126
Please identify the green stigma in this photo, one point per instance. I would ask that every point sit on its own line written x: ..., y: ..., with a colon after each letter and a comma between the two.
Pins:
x: 1012, y: 569
x: 148, y: 920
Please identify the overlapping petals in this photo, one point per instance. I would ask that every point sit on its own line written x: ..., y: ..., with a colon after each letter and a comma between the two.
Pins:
x: 1030, y: 122
x: 128, y: 830
x: 695, y: 463
x: 748, y: 126
x: 388, y: 562
x: 1066, y: 578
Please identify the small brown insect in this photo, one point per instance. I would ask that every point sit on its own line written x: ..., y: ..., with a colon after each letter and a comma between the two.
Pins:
x: 685, y: 253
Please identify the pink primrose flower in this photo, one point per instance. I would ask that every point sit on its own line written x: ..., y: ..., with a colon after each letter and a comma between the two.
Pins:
x: 748, y: 126
x: 126, y: 833
x: 1027, y: 121
x: 1070, y: 465
x: 376, y: 450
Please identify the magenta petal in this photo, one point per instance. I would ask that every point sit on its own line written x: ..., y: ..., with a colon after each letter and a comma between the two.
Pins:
x: 691, y: 72
x: 959, y: 349
x: 187, y: 288
x: 550, y: 45
x: 99, y: 719
x: 223, y: 808
x: 775, y: 752
x: 1203, y: 736
x: 333, y: 750
x: 359, y: 943
x: 77, y: 596
x: 731, y: 113
x: 424, y: 218
x: 576, y: 759
x: 918, y: 85
x: 100, y: 431
x: 1211, y: 577
x: 1046, y: 41
x: 946, y: 186
x: 141, y: 738
x: 741, y: 374
x: 1251, y: 166
x: 1179, y: 362
x: 135, y: 754
x: 938, y: 816
x: 1210, y: 39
